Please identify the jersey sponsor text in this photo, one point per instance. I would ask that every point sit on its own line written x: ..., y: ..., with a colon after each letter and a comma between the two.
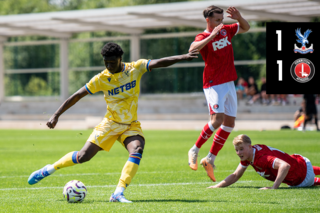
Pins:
x: 117, y: 90
x: 221, y: 43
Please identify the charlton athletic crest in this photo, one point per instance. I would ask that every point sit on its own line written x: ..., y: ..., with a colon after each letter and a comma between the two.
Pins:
x: 223, y: 32
x: 302, y: 39
x: 302, y: 70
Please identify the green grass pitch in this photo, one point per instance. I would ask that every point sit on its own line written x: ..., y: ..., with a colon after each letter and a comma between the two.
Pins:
x: 164, y: 182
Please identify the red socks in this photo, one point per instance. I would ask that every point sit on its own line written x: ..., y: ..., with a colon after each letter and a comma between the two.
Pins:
x: 316, y: 181
x: 205, y: 134
x: 316, y: 170
x: 220, y: 138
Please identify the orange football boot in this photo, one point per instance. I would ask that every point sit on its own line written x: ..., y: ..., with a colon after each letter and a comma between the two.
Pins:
x: 209, y: 167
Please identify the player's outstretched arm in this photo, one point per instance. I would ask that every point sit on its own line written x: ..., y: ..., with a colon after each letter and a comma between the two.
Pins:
x: 200, y: 44
x: 283, y: 169
x: 66, y: 105
x: 235, y: 14
x: 231, y: 179
x: 165, y: 62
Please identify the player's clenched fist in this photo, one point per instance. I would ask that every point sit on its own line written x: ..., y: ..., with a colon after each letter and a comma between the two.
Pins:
x: 52, y: 121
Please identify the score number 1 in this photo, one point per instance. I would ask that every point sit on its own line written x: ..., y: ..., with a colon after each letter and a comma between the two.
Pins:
x: 279, y: 62
x: 279, y: 39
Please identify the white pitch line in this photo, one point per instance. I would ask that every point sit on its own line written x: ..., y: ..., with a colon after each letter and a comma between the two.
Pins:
x: 112, y: 173
x: 108, y: 186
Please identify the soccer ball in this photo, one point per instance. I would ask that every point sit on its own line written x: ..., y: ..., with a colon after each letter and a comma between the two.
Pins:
x: 74, y: 191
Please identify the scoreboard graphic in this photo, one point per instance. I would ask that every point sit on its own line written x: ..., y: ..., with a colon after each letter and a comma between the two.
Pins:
x: 293, y: 58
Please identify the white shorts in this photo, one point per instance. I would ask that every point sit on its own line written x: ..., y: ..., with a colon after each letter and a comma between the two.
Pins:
x: 309, y: 180
x: 222, y: 98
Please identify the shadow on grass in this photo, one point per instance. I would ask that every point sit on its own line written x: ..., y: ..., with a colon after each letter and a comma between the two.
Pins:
x: 167, y: 201
x: 281, y: 188
x: 183, y: 201
x: 174, y: 200
x: 246, y: 187
x: 152, y: 200
x: 146, y: 201
x: 301, y: 188
x: 199, y: 201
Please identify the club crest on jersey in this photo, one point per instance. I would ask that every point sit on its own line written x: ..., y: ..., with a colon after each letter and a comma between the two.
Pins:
x: 109, y: 79
x: 127, y: 73
x: 223, y: 32
x: 302, y: 39
x: 302, y: 70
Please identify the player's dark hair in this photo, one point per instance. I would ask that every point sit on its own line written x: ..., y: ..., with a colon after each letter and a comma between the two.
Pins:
x: 111, y: 49
x: 209, y: 11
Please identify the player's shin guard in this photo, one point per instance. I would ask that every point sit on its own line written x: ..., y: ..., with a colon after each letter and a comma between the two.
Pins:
x: 220, y: 138
x: 205, y: 134
x: 69, y: 159
x: 316, y: 181
x: 316, y: 170
x: 130, y: 169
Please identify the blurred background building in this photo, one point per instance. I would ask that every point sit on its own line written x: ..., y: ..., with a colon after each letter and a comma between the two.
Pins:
x: 50, y: 49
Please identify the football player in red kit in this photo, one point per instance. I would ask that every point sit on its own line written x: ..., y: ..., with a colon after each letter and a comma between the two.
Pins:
x: 219, y: 75
x: 272, y: 164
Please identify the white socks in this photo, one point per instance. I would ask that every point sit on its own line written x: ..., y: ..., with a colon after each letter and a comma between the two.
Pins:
x: 210, y: 126
x: 50, y: 169
x: 195, y: 149
x: 119, y: 190
x: 226, y: 128
x: 212, y: 157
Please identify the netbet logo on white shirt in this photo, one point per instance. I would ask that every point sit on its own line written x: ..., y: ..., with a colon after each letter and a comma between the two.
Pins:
x: 221, y: 43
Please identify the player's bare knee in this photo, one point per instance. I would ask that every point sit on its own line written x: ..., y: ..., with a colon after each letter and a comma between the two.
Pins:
x: 232, y: 125
x: 229, y: 124
x: 84, y: 157
x: 138, y: 149
x: 135, y: 147
x: 217, y: 121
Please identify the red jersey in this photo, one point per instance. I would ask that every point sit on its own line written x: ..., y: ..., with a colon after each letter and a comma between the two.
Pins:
x: 218, y: 56
x: 263, y: 162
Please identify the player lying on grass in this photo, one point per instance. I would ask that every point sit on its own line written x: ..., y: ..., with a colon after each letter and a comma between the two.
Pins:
x: 120, y: 83
x: 219, y: 75
x: 272, y: 164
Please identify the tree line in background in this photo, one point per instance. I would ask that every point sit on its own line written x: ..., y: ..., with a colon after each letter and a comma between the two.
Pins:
x: 249, y: 46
